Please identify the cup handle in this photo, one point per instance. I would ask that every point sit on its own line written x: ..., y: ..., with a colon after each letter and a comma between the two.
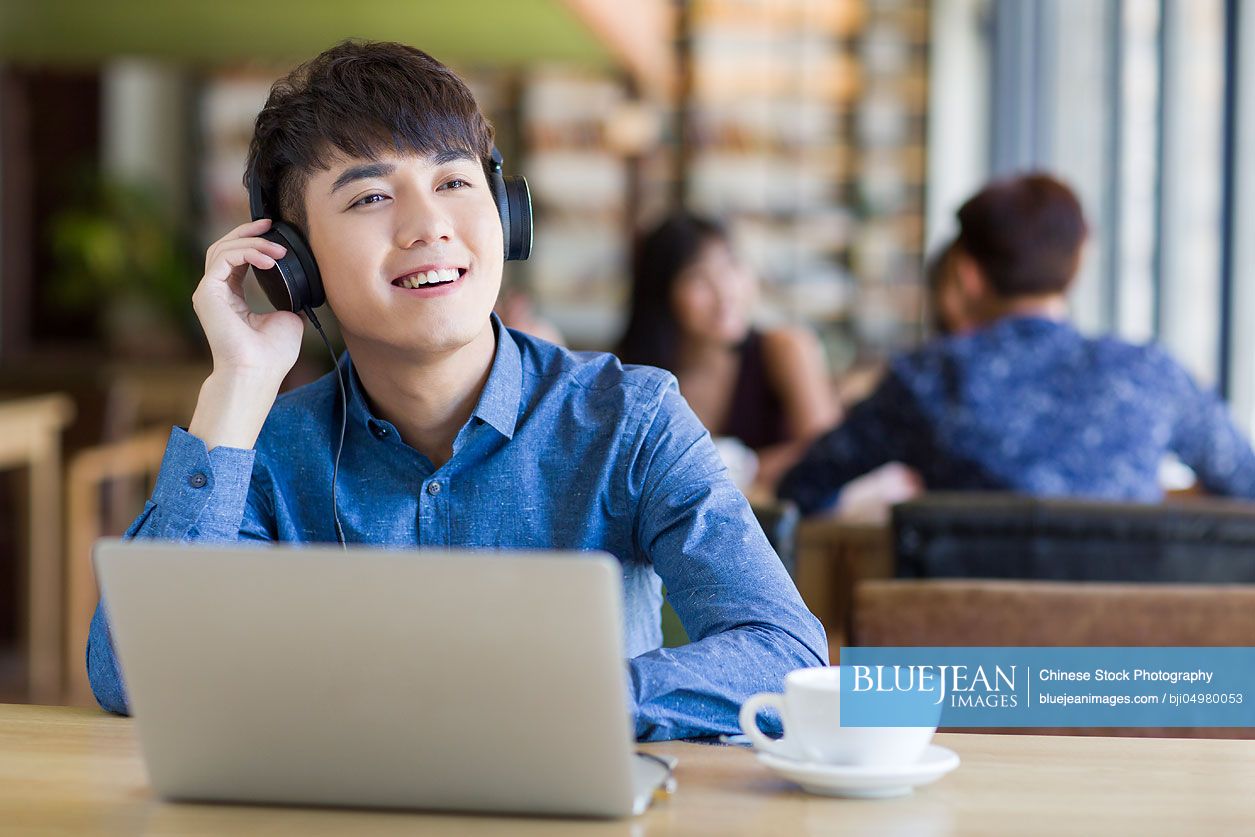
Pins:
x: 749, y: 721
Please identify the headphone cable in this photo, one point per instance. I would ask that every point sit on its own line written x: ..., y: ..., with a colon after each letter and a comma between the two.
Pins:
x: 344, y: 421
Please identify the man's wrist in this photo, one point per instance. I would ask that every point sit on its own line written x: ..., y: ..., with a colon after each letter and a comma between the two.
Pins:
x: 232, y: 408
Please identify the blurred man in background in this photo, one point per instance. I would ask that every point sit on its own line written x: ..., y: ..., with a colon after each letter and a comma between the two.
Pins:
x: 1023, y: 402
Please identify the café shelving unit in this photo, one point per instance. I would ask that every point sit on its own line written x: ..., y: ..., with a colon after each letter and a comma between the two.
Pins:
x: 804, y: 126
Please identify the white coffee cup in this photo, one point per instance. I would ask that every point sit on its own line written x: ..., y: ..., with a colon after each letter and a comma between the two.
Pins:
x: 810, y: 710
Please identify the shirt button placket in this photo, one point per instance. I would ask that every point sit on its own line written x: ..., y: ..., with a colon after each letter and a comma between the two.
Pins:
x: 433, y: 516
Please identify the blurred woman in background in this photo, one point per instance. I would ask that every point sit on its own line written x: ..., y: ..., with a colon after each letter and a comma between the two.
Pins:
x: 692, y: 310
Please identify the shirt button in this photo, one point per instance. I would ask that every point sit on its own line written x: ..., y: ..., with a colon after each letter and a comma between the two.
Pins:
x: 433, y: 488
x: 197, y: 480
x: 380, y: 431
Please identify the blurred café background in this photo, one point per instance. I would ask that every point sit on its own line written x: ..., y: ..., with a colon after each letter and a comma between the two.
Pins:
x: 836, y: 138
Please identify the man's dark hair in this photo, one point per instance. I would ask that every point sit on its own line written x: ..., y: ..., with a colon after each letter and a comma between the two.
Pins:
x: 1025, y: 233
x: 359, y: 99
x: 659, y: 256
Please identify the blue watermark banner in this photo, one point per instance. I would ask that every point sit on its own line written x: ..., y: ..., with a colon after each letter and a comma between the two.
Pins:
x: 1048, y: 687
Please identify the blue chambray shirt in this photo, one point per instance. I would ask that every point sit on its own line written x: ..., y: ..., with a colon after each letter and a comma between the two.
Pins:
x: 564, y: 450
x: 1030, y: 405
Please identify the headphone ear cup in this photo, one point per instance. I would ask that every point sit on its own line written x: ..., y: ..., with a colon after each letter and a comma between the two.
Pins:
x: 502, y: 199
x: 518, y: 230
x: 275, y: 281
x: 294, y: 283
x: 306, y: 270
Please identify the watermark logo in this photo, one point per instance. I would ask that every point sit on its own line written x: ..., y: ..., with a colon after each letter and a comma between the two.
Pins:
x: 1048, y: 687
x: 965, y: 686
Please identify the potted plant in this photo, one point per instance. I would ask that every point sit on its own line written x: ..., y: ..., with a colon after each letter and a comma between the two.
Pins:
x: 117, y: 250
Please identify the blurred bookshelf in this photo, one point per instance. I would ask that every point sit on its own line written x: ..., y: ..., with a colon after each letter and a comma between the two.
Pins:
x: 597, y: 161
x: 579, y: 190
x: 227, y: 105
x: 804, y: 128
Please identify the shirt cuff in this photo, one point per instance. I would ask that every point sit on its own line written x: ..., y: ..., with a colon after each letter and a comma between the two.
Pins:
x: 199, y: 493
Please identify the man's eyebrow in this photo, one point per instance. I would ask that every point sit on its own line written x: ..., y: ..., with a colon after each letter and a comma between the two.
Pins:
x: 450, y: 155
x: 365, y: 171
x: 362, y: 172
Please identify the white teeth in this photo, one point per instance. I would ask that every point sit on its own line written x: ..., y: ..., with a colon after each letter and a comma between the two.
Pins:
x: 417, y: 280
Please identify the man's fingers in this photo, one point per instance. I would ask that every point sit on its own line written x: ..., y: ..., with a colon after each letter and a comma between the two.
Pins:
x: 223, y: 246
x: 229, y: 262
x: 222, y: 264
x: 251, y: 228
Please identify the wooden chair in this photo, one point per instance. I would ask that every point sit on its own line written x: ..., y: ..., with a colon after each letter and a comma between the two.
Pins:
x: 140, y: 396
x: 30, y: 438
x: 133, y: 463
x: 832, y: 557
x: 954, y: 612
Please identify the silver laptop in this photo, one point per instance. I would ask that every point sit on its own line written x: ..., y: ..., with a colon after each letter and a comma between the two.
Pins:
x: 445, y: 680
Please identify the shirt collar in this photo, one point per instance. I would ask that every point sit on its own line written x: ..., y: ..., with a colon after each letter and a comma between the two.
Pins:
x: 498, y: 403
x: 1031, y: 321
x: 503, y: 393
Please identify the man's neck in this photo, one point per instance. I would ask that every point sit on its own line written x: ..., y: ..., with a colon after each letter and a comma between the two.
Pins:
x: 427, y: 399
x: 1046, y: 306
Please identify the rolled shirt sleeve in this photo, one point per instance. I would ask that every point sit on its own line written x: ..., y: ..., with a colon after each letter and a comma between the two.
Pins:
x: 747, y: 622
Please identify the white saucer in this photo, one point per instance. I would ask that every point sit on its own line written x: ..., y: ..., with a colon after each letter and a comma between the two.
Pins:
x: 864, y: 782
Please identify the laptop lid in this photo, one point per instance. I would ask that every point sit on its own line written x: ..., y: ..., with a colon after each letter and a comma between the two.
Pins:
x: 454, y: 680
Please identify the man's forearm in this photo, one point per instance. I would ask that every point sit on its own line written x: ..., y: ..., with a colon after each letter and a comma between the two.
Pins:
x: 697, y: 689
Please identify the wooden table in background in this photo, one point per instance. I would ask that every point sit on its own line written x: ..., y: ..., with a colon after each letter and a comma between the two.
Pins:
x: 66, y: 770
x: 30, y: 437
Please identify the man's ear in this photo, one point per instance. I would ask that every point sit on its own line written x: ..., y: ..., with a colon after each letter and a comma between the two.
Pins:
x: 971, y: 278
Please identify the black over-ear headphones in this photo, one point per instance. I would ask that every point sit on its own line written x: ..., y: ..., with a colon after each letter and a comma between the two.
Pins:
x: 295, y: 284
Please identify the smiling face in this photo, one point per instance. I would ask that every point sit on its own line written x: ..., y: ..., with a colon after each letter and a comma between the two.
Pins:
x: 409, y: 247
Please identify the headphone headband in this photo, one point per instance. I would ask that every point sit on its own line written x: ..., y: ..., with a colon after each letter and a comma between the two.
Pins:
x: 256, y: 200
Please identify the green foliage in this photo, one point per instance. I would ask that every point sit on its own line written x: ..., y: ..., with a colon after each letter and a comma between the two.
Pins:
x: 117, y: 242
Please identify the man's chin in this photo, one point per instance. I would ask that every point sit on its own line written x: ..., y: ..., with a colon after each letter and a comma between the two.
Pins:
x: 419, y: 342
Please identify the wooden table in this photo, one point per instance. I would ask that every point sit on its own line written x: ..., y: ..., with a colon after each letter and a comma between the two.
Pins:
x: 66, y: 770
x: 30, y: 437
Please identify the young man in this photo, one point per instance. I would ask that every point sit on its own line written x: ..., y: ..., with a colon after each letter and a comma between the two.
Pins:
x: 461, y: 433
x: 1023, y: 402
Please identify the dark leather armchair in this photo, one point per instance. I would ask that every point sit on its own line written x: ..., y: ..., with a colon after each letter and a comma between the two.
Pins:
x: 972, y: 535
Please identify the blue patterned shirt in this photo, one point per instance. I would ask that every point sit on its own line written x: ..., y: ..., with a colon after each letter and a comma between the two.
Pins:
x: 563, y: 450
x: 1029, y: 405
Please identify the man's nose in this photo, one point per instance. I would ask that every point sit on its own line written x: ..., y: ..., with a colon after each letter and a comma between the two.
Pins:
x: 423, y: 222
